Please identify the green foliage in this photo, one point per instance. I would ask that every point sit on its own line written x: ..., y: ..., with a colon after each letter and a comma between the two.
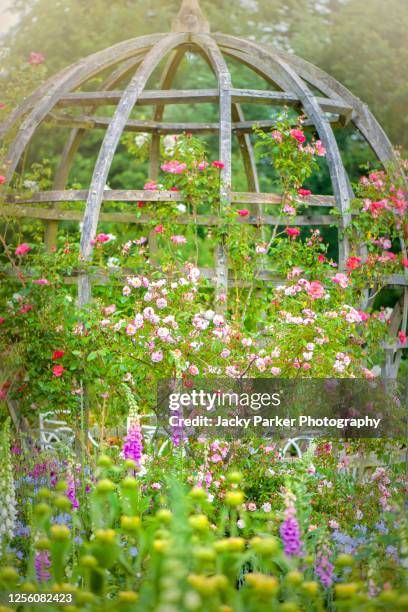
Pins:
x: 188, y: 548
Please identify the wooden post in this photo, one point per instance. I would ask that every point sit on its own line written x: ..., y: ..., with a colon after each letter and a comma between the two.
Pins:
x: 190, y: 18
x: 215, y: 58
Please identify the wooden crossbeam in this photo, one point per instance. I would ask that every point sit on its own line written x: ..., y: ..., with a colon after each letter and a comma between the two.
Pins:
x: 199, y: 96
x: 136, y: 195
x: 89, y: 122
x: 57, y: 214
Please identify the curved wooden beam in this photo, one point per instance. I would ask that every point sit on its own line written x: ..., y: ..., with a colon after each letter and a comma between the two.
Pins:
x: 108, y: 148
x: 73, y: 143
x: 64, y: 83
x: 339, y: 178
x: 114, y: 133
x: 277, y: 82
x: 28, y: 103
x: 362, y: 117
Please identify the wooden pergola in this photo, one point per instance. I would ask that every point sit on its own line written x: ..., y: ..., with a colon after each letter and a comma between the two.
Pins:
x: 133, y: 62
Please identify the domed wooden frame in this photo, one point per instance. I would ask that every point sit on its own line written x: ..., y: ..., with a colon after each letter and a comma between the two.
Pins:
x: 138, y: 58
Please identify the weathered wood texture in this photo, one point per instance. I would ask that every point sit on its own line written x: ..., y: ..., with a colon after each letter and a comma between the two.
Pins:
x: 74, y: 141
x: 110, y: 143
x: 65, y: 82
x: 220, y: 69
x: 271, y: 64
x: 190, y: 18
x: 287, y: 79
x: 114, y: 133
x: 88, y: 122
x: 58, y: 214
x: 169, y: 96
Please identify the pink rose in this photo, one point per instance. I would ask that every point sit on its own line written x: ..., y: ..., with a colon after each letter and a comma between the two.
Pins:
x: 22, y: 249
x: 150, y: 186
x: 58, y: 370
x: 315, y: 290
x: 2, y: 179
x: 36, y: 58
x: 341, y: 279
x: 174, y: 167
x: 218, y: 164
x: 41, y: 281
x: 108, y: 310
x: 304, y: 192
x: 320, y: 149
x: 177, y: 239
x: 243, y: 213
x: 157, y: 356
x: 203, y: 165
x: 298, y: 135
x: 277, y: 136
x: 102, y: 238
x: 289, y: 210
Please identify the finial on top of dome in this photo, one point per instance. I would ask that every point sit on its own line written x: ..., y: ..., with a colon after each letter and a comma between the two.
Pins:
x: 190, y: 18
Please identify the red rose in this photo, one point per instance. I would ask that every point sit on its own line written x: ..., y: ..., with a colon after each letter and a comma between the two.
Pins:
x: 2, y: 179
x: 353, y: 263
x: 159, y: 229
x: 141, y: 204
x: 243, y: 213
x: 405, y: 262
x: 58, y: 370
x: 2, y: 319
x: 402, y: 337
x: 25, y: 308
x: 304, y: 192
x: 57, y: 355
x: 293, y: 232
x: 218, y: 164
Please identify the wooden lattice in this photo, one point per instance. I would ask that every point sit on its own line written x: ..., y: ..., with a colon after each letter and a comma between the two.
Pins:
x: 291, y: 78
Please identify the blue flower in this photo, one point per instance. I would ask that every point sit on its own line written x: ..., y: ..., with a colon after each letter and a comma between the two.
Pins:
x: 62, y: 519
x: 133, y: 551
x: 22, y: 531
x: 380, y: 526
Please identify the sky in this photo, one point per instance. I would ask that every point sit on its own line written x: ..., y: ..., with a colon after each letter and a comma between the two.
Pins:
x: 6, y: 18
